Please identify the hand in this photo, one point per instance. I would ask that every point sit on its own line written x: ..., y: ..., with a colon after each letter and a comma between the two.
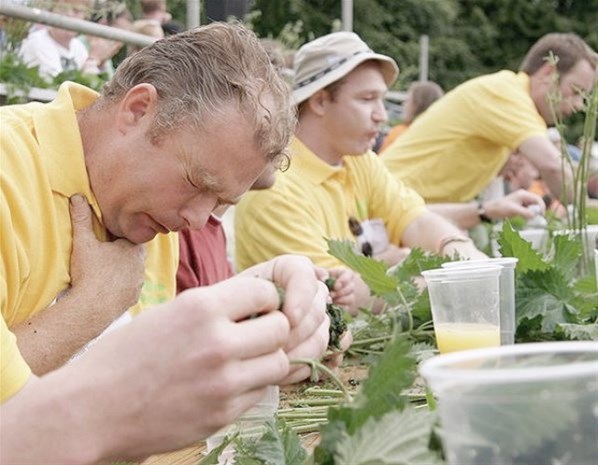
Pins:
x: 343, y: 292
x: 334, y: 360
x: 174, y: 375
x: 514, y: 204
x: 102, y: 49
x: 111, y: 273
x: 305, y: 307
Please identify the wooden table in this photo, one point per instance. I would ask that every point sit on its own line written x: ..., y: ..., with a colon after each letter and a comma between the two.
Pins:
x: 189, y: 456
x: 192, y: 455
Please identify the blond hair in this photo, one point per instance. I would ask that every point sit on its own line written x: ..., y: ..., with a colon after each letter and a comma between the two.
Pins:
x: 199, y: 73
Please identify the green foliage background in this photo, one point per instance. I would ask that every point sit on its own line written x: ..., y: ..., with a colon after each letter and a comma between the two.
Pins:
x: 467, y: 37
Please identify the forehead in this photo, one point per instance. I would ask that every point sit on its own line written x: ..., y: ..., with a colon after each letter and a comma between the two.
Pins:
x: 224, y: 153
x: 581, y: 76
x: 367, y: 77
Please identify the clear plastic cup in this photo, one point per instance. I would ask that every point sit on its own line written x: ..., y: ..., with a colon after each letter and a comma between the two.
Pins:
x: 465, y: 306
x: 250, y: 424
x: 506, y: 289
x: 525, y: 404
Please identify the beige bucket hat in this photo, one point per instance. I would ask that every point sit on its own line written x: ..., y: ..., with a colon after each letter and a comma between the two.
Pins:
x: 331, y: 57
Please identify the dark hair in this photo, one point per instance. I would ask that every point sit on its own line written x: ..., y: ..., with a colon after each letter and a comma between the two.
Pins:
x: 568, y: 47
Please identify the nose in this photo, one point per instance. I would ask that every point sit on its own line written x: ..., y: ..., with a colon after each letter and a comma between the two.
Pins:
x: 196, y: 212
x: 380, y: 115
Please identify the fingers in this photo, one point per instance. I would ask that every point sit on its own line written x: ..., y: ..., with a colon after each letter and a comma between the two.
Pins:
x: 242, y: 297
x: 311, y: 348
x: 313, y: 315
x: 80, y: 216
x: 260, y: 335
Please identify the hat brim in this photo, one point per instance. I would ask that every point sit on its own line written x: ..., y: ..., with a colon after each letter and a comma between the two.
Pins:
x: 389, y: 69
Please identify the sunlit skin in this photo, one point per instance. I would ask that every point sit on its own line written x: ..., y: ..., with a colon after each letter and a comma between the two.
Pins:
x: 175, y: 181
x: 353, y: 119
x: 572, y: 88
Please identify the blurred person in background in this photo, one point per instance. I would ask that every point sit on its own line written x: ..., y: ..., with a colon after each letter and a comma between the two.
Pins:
x: 419, y: 97
x: 453, y: 150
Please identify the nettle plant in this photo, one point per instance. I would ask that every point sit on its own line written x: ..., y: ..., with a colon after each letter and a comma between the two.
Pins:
x: 577, y: 219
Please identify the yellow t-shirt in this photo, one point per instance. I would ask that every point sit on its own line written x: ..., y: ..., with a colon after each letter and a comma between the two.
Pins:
x: 457, y: 146
x: 313, y: 201
x: 42, y: 165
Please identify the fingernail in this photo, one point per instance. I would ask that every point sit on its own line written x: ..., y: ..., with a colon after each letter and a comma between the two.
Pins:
x: 76, y: 199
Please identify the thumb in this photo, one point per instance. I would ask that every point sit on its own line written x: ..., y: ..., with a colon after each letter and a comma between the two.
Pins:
x: 80, y: 215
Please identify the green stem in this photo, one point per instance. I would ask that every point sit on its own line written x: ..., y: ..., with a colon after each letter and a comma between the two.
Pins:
x: 317, y: 366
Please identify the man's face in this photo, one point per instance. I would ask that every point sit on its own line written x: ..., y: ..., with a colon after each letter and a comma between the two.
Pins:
x: 176, y: 181
x: 356, y: 113
x: 573, y: 86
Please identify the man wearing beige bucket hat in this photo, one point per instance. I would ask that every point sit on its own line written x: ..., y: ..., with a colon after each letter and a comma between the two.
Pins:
x: 336, y: 187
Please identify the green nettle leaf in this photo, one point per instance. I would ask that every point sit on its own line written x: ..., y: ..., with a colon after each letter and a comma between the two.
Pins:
x: 512, y: 245
x: 580, y: 332
x: 567, y: 252
x: 381, y: 391
x: 545, y: 294
x: 407, y: 445
x: 416, y: 262
x: 373, y: 272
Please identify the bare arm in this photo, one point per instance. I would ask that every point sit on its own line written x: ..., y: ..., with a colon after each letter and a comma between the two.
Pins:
x: 547, y: 159
x: 202, y: 349
x: 466, y: 215
x: 106, y: 281
x: 432, y: 232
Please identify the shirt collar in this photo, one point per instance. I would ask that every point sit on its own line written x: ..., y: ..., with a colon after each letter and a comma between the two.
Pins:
x: 60, y: 142
x: 311, y: 166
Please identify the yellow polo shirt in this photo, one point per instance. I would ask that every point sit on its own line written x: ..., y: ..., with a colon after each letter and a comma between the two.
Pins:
x: 457, y: 146
x: 41, y: 166
x: 313, y: 201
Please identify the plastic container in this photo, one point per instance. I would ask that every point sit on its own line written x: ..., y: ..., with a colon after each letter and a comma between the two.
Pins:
x: 506, y: 290
x: 526, y: 404
x: 251, y: 424
x: 465, y: 306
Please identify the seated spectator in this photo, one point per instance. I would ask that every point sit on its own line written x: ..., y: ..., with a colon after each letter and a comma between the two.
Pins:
x: 55, y: 50
x: 101, y: 51
x: 420, y: 96
x: 335, y: 181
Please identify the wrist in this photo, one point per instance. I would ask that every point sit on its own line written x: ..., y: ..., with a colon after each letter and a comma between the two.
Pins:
x: 483, y: 213
x: 451, y: 241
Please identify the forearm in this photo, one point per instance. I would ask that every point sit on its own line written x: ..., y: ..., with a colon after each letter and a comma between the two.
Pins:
x: 555, y: 182
x: 463, y: 215
x: 54, y: 335
x: 433, y: 233
x: 43, y: 423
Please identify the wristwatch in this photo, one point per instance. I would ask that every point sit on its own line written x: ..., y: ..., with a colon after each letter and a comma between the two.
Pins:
x: 482, y: 213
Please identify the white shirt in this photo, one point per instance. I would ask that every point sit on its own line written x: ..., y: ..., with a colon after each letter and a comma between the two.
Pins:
x: 40, y: 49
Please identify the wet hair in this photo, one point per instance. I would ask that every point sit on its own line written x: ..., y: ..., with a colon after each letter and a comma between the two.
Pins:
x: 568, y: 47
x: 201, y: 73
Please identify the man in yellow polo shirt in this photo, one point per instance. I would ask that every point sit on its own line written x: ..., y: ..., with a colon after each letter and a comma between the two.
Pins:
x: 86, y: 180
x: 336, y: 187
x: 453, y: 151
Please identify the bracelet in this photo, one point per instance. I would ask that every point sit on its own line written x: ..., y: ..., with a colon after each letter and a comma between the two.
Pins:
x: 482, y: 213
x: 449, y: 240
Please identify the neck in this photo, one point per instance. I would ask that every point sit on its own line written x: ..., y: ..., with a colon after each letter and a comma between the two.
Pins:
x: 311, y: 133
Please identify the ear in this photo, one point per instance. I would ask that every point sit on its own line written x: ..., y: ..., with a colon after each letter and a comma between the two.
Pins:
x: 318, y: 102
x: 545, y: 73
x: 137, y: 108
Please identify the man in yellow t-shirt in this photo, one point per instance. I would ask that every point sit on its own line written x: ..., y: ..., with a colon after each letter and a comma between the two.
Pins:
x: 453, y: 150
x: 336, y: 187
x: 86, y: 182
